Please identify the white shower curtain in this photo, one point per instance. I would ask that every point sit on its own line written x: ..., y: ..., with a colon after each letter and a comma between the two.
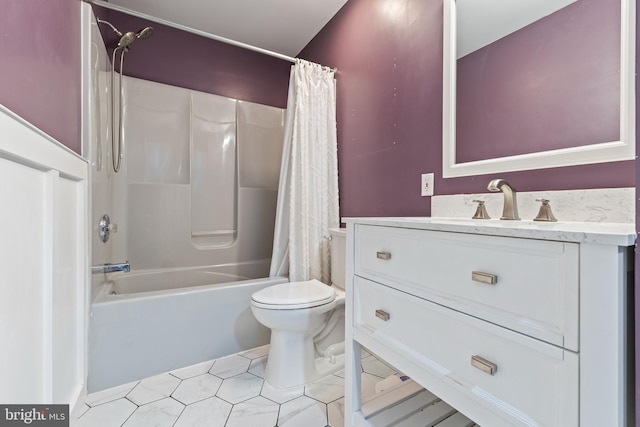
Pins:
x: 308, y: 190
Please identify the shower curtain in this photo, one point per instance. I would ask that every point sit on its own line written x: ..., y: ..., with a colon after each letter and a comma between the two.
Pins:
x: 308, y: 190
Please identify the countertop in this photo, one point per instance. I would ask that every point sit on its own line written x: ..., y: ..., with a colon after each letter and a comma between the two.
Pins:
x: 617, y: 234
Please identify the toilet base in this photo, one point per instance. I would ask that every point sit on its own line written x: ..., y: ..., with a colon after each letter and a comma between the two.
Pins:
x: 293, y: 361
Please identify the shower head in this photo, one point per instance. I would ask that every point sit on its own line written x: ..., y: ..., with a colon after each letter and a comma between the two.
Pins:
x: 129, y: 37
x: 144, y: 33
x: 126, y: 40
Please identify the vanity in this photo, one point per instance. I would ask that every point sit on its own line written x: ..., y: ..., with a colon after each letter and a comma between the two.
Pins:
x: 509, y: 322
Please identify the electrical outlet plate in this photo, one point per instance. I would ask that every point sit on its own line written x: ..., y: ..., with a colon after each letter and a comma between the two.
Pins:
x: 427, y: 184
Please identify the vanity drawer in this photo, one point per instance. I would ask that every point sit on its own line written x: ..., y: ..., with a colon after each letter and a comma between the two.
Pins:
x: 536, y: 281
x: 534, y: 383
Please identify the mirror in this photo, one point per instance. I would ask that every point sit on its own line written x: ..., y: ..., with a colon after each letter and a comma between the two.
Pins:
x: 529, y: 109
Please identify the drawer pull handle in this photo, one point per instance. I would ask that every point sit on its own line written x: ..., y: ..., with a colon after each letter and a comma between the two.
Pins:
x: 479, y: 276
x: 381, y: 314
x: 484, y: 365
x: 383, y: 255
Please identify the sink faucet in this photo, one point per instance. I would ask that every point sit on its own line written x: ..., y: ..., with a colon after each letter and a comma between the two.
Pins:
x: 510, y: 208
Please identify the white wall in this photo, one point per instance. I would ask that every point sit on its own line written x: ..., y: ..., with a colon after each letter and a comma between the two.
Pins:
x: 43, y: 253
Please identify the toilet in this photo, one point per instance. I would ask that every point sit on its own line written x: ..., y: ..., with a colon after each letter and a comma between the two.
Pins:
x: 307, y: 324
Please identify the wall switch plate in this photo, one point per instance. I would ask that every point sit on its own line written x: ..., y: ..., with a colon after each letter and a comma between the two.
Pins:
x: 427, y: 184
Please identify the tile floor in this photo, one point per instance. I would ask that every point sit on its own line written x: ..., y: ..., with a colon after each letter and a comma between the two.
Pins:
x: 229, y: 391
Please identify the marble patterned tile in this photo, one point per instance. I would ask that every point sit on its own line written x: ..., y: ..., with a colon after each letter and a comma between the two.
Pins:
x: 257, y: 412
x: 255, y: 353
x: 239, y: 388
x: 193, y: 370
x: 326, y: 389
x: 212, y: 412
x: 153, y: 388
x: 229, y: 366
x: 109, y: 414
x: 83, y: 410
x: 335, y: 413
x: 109, y: 394
x: 368, y: 384
x: 241, y: 400
x: 281, y: 395
x: 197, y: 388
x: 372, y: 365
x: 303, y: 411
x: 161, y: 413
x: 258, y: 365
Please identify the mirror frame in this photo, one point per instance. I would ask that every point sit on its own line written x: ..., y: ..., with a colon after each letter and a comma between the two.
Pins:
x: 586, y: 154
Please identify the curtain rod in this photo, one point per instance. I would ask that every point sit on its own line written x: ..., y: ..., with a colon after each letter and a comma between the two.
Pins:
x: 117, y: 8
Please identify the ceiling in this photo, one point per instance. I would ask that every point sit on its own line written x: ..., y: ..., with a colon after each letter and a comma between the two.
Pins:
x: 282, y: 26
x: 480, y: 23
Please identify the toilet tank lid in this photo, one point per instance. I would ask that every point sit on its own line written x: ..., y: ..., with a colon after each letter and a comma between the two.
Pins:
x: 294, y: 293
x: 338, y: 231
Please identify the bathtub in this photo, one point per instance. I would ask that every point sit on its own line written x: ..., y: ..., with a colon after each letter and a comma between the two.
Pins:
x: 149, y: 322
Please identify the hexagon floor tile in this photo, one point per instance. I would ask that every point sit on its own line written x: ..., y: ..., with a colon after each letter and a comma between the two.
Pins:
x: 226, y: 392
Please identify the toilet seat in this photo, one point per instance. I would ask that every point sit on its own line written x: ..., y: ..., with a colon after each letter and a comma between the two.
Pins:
x: 294, y: 295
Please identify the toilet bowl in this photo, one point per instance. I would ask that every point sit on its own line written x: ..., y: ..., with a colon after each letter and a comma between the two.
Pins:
x: 307, y: 324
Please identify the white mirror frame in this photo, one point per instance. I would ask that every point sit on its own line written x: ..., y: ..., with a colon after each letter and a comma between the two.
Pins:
x: 587, y: 154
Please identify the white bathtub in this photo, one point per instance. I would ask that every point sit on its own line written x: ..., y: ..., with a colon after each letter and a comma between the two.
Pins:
x: 157, y: 321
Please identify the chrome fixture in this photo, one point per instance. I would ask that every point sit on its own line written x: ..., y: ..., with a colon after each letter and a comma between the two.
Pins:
x: 126, y: 40
x: 481, y: 211
x: 105, y: 228
x: 545, y: 213
x: 110, y: 268
x: 510, y: 208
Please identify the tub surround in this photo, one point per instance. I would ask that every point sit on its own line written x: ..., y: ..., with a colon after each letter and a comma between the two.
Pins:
x: 532, y: 318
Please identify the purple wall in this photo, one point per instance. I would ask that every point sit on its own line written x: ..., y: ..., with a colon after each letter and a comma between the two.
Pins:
x: 40, y: 66
x: 389, y: 60
x: 556, y: 93
x: 186, y: 60
x: 390, y: 115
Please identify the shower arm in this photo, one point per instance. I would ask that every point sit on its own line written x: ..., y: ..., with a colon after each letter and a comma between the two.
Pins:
x: 115, y: 30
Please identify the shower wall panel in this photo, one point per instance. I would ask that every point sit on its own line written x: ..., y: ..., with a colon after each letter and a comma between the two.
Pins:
x: 261, y: 130
x: 199, y: 179
x: 213, y: 170
x: 156, y: 122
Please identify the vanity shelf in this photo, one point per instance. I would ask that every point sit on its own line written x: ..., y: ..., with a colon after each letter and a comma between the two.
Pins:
x: 511, y: 324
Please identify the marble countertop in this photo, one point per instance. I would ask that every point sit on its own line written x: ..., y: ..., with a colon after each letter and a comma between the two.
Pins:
x: 618, y: 234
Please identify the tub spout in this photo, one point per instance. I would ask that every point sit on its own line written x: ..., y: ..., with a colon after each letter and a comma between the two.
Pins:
x: 510, y: 208
x: 110, y: 268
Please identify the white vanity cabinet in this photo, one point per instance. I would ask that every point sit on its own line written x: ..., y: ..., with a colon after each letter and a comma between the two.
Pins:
x: 514, y: 323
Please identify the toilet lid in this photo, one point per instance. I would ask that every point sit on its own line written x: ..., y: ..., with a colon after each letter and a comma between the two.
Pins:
x: 295, y: 295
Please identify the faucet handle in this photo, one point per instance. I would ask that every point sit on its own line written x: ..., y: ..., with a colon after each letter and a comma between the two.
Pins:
x: 545, y: 213
x: 481, y: 210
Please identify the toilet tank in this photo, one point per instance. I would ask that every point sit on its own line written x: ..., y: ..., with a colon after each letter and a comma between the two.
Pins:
x: 338, y: 256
